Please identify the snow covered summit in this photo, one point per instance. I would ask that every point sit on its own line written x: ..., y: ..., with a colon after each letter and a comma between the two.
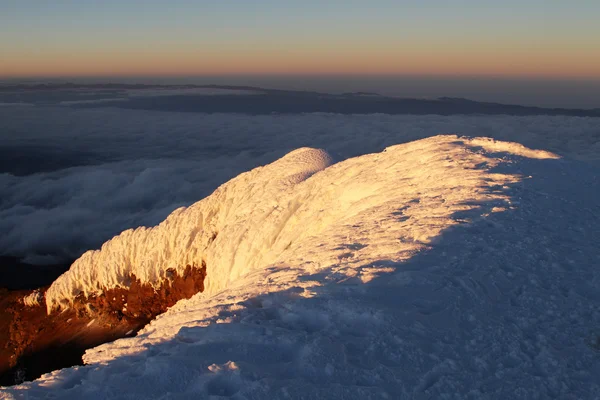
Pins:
x: 448, y: 267
x: 266, y: 215
x: 232, y: 231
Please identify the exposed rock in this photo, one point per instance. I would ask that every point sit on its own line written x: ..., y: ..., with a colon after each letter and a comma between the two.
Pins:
x: 37, y: 342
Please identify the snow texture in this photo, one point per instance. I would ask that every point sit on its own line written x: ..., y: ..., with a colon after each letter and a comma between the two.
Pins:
x: 234, y: 230
x: 447, y: 267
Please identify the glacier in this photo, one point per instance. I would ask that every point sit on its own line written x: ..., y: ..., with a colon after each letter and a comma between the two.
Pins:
x: 447, y: 267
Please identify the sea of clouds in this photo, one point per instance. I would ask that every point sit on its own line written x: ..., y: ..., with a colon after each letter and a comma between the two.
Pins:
x: 71, y: 179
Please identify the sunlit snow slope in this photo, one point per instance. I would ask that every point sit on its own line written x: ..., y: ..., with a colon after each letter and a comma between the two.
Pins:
x: 268, y: 214
x: 443, y: 268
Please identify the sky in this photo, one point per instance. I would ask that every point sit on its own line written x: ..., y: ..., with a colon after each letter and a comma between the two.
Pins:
x: 531, y: 38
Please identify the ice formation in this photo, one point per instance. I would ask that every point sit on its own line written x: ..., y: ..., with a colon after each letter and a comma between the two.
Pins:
x: 234, y: 230
x: 265, y: 215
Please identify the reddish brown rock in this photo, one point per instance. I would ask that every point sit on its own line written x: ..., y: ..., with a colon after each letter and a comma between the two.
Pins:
x: 36, y: 343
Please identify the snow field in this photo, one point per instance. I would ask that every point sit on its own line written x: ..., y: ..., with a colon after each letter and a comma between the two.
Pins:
x: 443, y: 268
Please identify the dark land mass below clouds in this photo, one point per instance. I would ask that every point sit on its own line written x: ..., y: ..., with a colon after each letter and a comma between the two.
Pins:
x: 285, y: 103
x: 27, y: 159
x: 259, y: 101
x: 18, y: 275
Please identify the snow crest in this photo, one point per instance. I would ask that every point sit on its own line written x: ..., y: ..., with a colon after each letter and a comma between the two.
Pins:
x: 213, y: 230
x: 266, y: 215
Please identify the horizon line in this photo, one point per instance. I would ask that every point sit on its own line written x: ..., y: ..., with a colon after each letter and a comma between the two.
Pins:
x: 329, y: 75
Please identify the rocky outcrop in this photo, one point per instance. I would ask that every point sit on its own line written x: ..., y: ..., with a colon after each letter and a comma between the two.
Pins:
x: 37, y: 342
x: 142, y: 301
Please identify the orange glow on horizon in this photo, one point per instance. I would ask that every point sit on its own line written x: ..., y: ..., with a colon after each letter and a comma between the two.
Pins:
x: 340, y: 62
x: 489, y: 39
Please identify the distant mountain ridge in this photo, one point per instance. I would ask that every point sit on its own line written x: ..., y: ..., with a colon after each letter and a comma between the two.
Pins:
x: 233, y: 99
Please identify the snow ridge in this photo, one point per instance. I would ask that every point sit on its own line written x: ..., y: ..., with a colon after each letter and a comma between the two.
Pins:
x: 443, y: 268
x: 189, y: 235
x: 263, y: 216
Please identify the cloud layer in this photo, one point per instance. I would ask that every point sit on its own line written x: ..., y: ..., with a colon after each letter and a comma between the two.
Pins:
x: 72, y: 179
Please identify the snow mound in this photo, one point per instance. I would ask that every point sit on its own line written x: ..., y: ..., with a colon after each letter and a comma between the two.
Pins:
x: 443, y: 268
x: 266, y: 215
x: 189, y: 236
